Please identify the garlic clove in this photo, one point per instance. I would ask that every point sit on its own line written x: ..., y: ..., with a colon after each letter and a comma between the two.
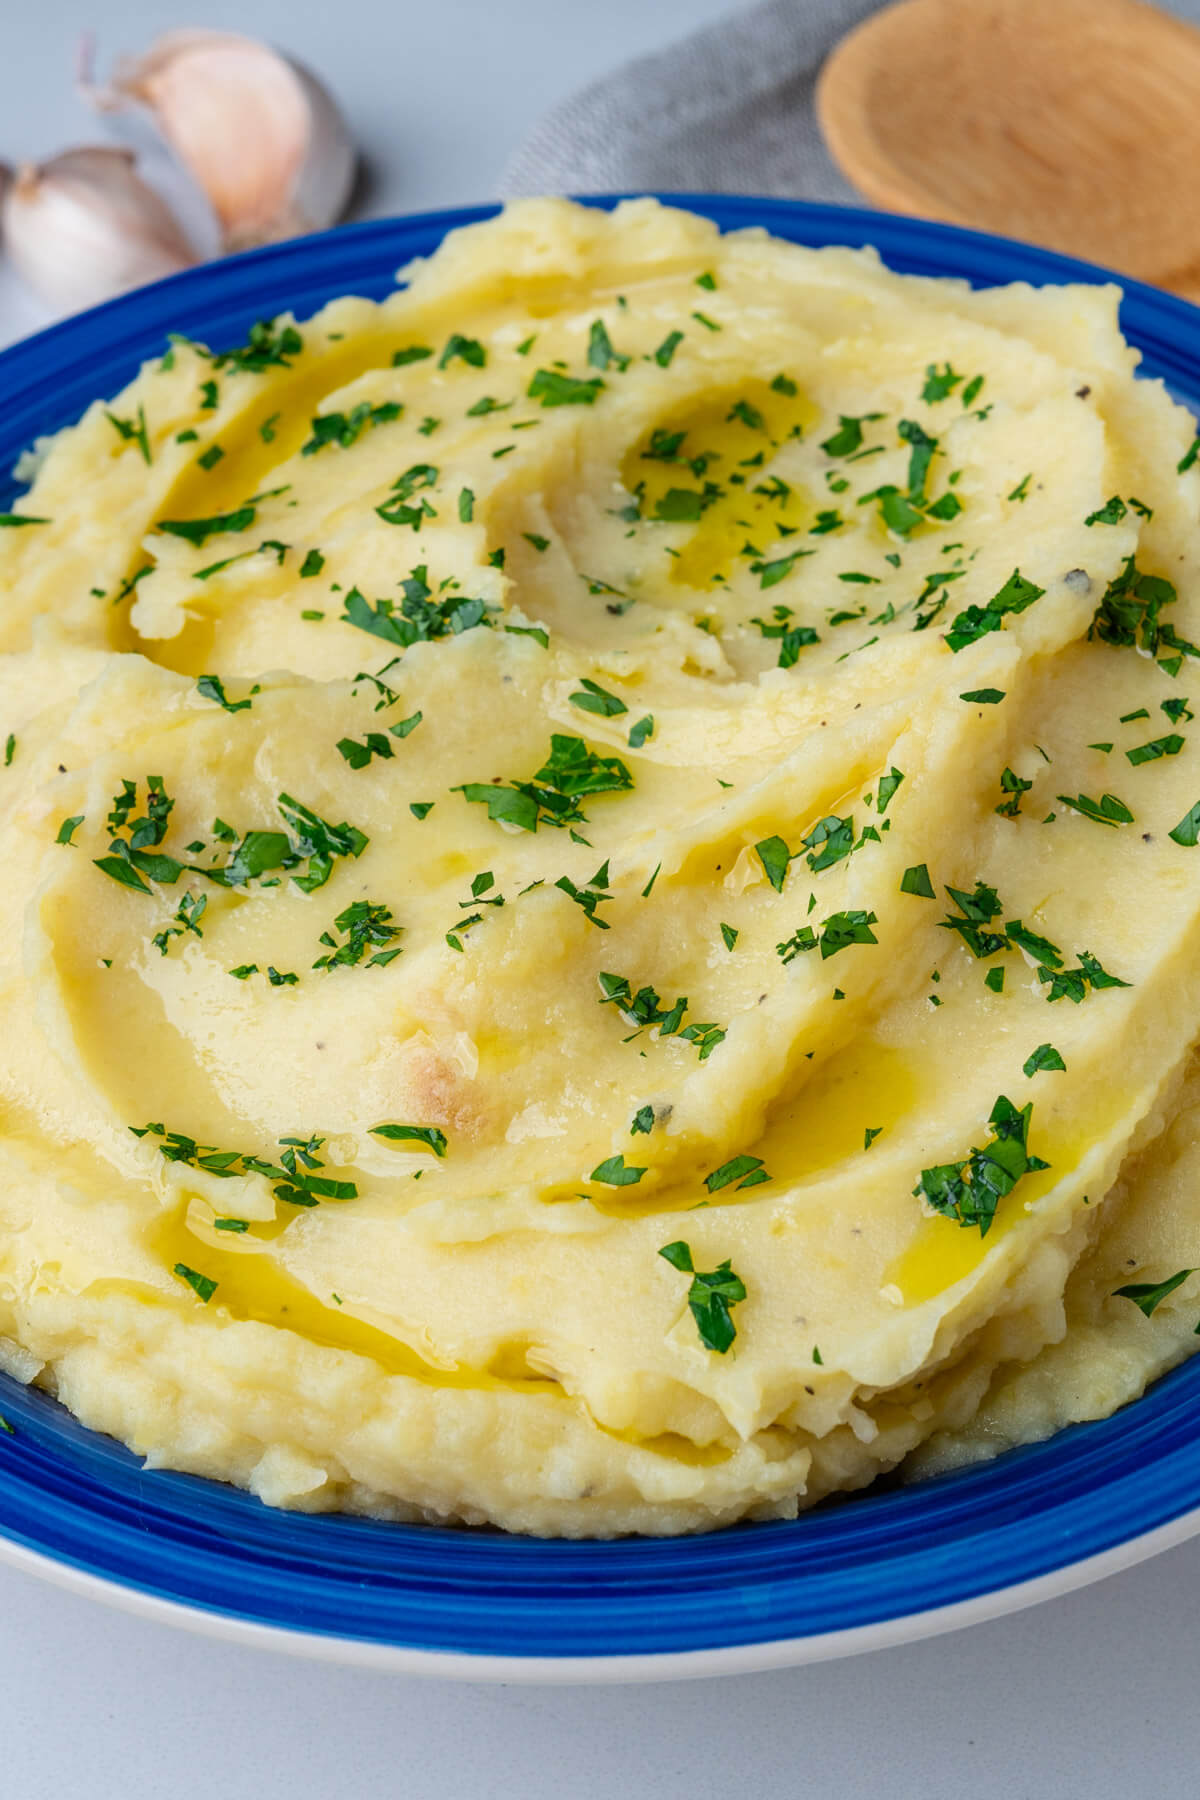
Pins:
x: 256, y: 131
x: 84, y: 227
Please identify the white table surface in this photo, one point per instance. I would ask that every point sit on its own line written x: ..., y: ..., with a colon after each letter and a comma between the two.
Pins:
x: 1092, y: 1695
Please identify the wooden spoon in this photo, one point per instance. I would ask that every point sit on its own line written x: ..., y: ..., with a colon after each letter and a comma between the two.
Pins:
x: 1071, y: 123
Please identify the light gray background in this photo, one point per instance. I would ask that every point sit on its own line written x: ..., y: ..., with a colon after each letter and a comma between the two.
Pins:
x: 1090, y: 1696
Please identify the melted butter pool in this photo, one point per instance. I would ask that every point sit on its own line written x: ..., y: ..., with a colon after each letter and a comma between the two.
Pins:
x: 727, y: 439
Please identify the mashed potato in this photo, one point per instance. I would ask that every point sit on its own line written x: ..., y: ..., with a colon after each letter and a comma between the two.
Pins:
x: 601, y: 883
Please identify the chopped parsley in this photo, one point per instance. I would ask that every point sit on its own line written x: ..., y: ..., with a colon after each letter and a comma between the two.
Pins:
x: 1156, y: 748
x: 970, y: 1191
x: 298, y: 1185
x: 887, y: 787
x: 552, y: 796
x: 267, y: 345
x: 420, y: 618
x: 667, y: 349
x: 68, y: 828
x: 774, y: 856
x: 601, y: 354
x: 428, y: 1135
x: 187, y: 918
x: 1186, y: 833
x: 375, y: 743
x: 747, y: 415
x: 203, y: 1286
x: 463, y: 349
x: 643, y: 1009
x: 1014, y: 786
x: 1108, y: 810
x: 770, y: 574
x: 198, y: 531
x: 975, y: 913
x: 135, y: 855
x: 590, y: 896
x: 848, y: 436
x: 977, y: 621
x: 1147, y: 1295
x: 916, y: 881
x: 594, y: 699
x: 345, y: 429
x: 1044, y: 1059
x: 709, y: 1297
x: 730, y: 934
x: 830, y: 840
x: 312, y: 565
x: 792, y: 638
x: 1074, y: 984
x: 740, y: 1171
x: 364, y: 925
x: 133, y: 431
x: 555, y: 389
x: 1128, y: 614
x: 211, y: 687
x: 614, y: 1173
x: 838, y: 932
x: 940, y: 383
x: 318, y: 842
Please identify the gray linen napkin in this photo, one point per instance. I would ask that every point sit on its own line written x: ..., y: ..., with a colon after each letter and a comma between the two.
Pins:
x: 728, y: 110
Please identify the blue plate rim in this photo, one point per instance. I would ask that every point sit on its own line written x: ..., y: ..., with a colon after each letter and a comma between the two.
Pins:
x: 1026, y: 1566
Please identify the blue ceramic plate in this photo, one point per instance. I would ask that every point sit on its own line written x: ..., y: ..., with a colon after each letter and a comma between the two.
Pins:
x: 879, y: 1569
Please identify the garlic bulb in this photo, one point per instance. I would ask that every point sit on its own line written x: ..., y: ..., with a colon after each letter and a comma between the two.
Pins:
x: 84, y: 226
x: 255, y: 130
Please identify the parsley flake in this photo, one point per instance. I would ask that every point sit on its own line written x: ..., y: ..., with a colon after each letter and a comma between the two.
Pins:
x: 709, y: 1298
x: 592, y: 698
x: 203, y: 1286
x: 916, y: 881
x: 1156, y: 748
x: 555, y: 389
x: 970, y: 1191
x: 614, y: 1173
x: 428, y: 1135
x: 740, y: 1171
x: 1147, y: 1295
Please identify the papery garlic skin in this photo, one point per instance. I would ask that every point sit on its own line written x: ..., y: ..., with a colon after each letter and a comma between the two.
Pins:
x: 257, y: 132
x: 84, y: 227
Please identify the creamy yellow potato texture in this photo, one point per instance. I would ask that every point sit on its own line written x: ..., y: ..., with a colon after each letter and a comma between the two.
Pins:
x: 601, y: 879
